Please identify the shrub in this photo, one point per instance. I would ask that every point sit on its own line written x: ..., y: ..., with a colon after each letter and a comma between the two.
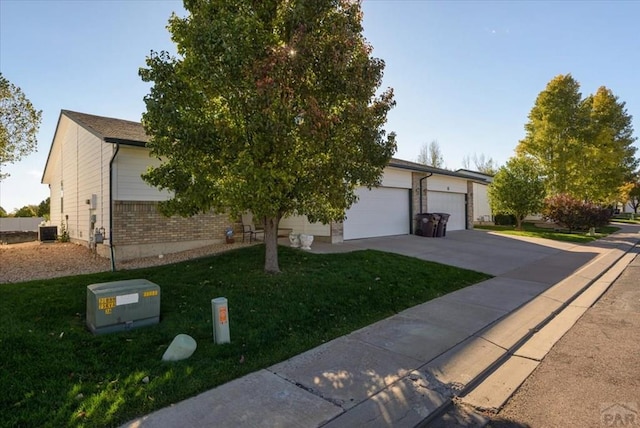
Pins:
x: 575, y: 214
x: 504, y: 220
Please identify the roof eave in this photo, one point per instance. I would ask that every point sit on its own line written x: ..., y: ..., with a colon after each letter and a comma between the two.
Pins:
x: 124, y: 142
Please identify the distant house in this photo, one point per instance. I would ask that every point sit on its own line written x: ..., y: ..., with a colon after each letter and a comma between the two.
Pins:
x: 482, y: 208
x: 94, y: 172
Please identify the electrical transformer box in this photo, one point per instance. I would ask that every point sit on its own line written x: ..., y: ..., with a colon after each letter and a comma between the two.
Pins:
x: 122, y: 305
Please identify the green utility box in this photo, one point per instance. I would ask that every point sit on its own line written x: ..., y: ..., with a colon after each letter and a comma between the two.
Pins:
x: 122, y: 305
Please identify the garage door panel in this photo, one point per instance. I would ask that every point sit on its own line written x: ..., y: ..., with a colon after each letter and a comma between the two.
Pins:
x: 452, y: 203
x: 381, y: 211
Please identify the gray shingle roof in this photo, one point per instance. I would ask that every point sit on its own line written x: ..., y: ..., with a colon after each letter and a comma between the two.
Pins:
x: 110, y: 129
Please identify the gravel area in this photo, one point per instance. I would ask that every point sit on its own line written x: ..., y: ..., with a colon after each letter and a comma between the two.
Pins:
x: 36, y: 260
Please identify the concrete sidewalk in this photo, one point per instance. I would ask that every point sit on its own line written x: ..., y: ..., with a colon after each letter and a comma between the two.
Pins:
x: 405, y: 369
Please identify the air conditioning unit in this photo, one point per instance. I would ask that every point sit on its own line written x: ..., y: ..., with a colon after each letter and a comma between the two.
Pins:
x: 122, y: 305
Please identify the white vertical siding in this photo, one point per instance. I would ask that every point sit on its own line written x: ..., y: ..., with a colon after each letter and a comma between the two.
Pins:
x: 445, y: 183
x: 77, y: 162
x: 481, y: 207
x: 393, y: 177
x: 130, y: 164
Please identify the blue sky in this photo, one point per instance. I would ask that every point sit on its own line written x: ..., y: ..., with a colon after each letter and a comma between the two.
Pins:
x: 465, y: 73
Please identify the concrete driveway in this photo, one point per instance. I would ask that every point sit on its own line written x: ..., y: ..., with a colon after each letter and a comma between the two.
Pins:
x: 480, y: 251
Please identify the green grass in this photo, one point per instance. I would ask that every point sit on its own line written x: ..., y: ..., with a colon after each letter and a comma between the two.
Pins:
x: 55, y: 373
x: 529, y: 229
x: 627, y: 218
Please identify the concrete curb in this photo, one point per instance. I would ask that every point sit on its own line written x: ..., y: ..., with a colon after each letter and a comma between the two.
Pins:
x: 490, y: 389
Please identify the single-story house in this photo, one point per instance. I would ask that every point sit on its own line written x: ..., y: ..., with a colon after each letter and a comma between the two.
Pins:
x: 97, y: 194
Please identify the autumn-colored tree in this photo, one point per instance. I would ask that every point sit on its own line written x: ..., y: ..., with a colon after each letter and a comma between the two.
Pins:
x: 19, y: 123
x: 609, y: 157
x: 634, y: 197
x: 553, y: 133
x: 270, y: 107
x: 584, y: 146
x: 518, y: 189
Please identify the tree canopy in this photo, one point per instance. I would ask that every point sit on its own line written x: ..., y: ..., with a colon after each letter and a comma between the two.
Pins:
x: 44, y: 208
x: 431, y: 155
x: 518, y: 189
x: 584, y: 146
x: 26, y: 211
x: 270, y: 107
x: 19, y: 123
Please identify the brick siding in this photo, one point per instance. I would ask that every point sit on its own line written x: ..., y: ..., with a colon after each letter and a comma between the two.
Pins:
x: 140, y: 222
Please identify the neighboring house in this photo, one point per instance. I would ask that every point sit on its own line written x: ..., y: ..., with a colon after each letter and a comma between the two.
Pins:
x: 94, y: 175
x: 94, y: 172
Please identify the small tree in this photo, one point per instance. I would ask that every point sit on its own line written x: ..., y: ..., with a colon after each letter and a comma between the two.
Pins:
x: 517, y: 189
x: 19, y: 123
x: 431, y: 155
x: 634, y: 197
x: 3, y: 212
x: 272, y: 107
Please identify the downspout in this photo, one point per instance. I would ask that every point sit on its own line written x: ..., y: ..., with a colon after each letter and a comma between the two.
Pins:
x: 113, y: 158
x: 423, y: 178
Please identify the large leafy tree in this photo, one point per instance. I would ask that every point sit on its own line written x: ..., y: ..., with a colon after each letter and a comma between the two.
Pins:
x: 270, y: 107
x: 431, y: 155
x: 19, y: 123
x: 517, y: 189
x: 553, y: 133
x: 584, y: 146
x: 608, y: 155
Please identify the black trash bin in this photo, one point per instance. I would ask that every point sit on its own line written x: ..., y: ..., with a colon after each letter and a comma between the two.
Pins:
x: 426, y: 224
x: 441, y: 230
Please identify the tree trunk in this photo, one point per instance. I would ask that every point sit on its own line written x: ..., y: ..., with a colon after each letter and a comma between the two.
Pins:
x: 519, y: 222
x: 271, y: 245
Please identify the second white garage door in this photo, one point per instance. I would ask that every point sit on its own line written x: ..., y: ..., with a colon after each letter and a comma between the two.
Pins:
x: 381, y: 211
x: 452, y: 203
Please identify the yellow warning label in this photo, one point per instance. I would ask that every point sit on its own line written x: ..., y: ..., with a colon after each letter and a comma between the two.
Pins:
x: 105, y: 303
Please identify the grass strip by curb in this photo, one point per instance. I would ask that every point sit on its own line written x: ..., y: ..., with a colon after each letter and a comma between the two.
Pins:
x: 531, y: 230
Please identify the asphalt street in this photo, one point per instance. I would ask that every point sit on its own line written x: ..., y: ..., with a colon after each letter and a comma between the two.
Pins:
x: 591, y: 377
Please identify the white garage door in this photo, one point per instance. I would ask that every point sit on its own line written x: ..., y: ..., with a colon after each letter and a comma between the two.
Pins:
x: 381, y: 211
x: 452, y: 203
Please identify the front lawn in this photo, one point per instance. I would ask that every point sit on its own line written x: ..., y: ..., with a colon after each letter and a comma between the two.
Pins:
x: 530, y: 229
x: 55, y: 373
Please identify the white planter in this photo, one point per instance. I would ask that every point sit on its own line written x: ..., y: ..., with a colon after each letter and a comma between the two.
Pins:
x: 306, y: 241
x: 294, y: 239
